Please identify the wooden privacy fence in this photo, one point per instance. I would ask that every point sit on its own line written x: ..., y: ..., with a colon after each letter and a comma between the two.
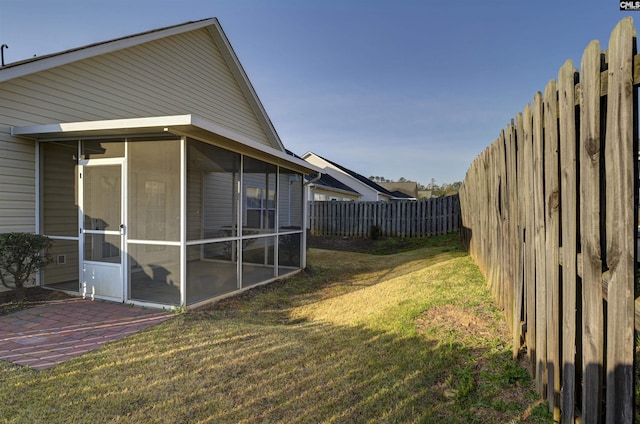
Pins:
x: 398, y: 218
x: 549, y: 215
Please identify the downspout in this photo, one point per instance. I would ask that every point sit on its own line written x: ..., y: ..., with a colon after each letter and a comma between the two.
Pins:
x: 313, y: 180
x: 306, y: 218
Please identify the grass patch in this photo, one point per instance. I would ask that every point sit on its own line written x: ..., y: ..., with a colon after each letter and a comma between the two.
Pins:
x: 393, y: 245
x: 380, y: 246
x: 409, y: 337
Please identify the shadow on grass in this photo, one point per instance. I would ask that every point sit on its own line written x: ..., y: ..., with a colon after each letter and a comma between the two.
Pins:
x: 337, y: 273
x: 246, y: 360
x: 204, y: 367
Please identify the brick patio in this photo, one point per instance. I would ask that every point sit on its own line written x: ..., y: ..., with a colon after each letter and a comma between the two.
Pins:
x: 49, y: 334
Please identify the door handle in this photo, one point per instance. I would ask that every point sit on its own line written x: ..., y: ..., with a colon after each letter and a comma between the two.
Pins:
x: 122, y: 229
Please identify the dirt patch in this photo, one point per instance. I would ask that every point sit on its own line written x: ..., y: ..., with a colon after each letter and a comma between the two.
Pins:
x: 33, y: 296
x: 479, y: 326
x: 380, y: 246
x: 467, y: 323
x: 345, y: 244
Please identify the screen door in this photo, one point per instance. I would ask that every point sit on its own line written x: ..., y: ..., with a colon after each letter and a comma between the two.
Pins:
x: 102, y: 231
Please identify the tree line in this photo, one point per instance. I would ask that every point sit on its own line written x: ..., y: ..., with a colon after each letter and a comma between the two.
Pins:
x: 437, y: 190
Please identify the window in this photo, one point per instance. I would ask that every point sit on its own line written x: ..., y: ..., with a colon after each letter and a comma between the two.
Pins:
x: 259, y: 196
x: 261, y: 208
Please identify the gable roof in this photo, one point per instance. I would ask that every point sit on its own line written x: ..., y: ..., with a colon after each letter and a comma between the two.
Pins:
x: 408, y: 189
x: 400, y: 195
x: 327, y: 180
x: 89, y: 50
x: 353, y: 174
x: 41, y: 63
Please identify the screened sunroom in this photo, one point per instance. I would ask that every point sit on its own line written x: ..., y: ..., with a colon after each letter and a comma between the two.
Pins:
x: 165, y: 212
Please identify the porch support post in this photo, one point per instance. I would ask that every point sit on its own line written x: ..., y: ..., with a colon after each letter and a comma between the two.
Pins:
x: 183, y: 221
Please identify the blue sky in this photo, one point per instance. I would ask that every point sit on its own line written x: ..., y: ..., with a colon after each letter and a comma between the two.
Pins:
x: 403, y: 88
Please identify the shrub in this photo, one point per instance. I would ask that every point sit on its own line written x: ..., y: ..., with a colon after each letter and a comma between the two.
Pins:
x: 375, y: 232
x: 21, y: 254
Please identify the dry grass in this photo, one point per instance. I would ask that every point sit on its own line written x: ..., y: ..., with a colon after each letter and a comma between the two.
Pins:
x: 410, y: 337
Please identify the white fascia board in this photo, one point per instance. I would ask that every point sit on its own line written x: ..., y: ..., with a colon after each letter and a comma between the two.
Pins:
x: 80, y: 53
x: 213, y: 128
x: 316, y: 160
x: 321, y: 162
x: 69, y: 128
x: 176, y: 124
x: 336, y: 190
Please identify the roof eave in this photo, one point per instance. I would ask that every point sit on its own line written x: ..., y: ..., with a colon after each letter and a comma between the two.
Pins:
x: 245, y: 84
x: 27, y: 67
x: 183, y: 125
x: 19, y: 69
x: 336, y: 190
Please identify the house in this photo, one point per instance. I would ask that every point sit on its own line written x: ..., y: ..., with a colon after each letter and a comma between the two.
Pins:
x: 368, y: 190
x: 328, y: 188
x: 402, y: 189
x: 401, y: 195
x: 154, y: 168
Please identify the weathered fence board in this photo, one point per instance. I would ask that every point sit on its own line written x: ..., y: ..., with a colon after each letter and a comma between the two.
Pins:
x: 529, y: 239
x: 592, y: 314
x: 549, y: 214
x: 513, y: 242
x: 519, y: 315
x: 401, y: 218
x: 620, y: 160
x: 540, y: 289
x: 568, y: 194
x: 552, y: 242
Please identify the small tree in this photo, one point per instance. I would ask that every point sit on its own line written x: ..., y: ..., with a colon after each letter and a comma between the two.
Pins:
x: 21, y: 254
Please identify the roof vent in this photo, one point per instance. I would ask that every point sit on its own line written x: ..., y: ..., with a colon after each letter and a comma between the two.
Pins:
x: 4, y: 46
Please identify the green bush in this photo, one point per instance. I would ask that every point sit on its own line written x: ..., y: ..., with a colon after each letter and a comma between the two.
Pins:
x: 21, y: 254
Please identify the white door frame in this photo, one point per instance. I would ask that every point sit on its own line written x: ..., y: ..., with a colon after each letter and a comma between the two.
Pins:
x: 97, y: 278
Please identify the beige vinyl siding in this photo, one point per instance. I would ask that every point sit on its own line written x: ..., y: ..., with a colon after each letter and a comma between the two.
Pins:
x: 194, y: 205
x: 367, y: 193
x: 182, y: 74
x: 218, y: 203
x: 290, y: 197
x: 320, y: 193
x: 67, y: 271
x: 194, y: 211
x: 17, y: 185
x: 257, y: 180
x: 59, y: 190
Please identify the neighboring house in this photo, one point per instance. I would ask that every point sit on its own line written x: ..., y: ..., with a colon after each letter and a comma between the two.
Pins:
x: 399, y: 195
x: 328, y: 188
x: 153, y: 166
x: 406, y: 189
x: 425, y: 194
x: 369, y: 190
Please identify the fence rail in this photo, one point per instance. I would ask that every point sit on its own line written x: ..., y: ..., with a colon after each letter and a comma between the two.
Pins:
x: 404, y: 218
x: 549, y: 215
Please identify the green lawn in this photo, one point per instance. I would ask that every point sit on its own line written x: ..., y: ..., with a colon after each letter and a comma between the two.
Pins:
x: 401, y: 338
